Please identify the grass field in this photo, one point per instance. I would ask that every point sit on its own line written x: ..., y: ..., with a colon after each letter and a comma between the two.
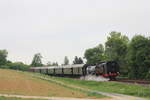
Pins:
x: 112, y: 87
x: 23, y: 83
x: 20, y: 83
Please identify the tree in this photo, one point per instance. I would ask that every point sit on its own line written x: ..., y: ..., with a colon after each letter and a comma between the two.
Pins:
x: 77, y: 60
x: 3, y: 57
x: 94, y: 55
x: 36, y: 62
x: 80, y: 60
x: 116, y: 49
x: 66, y: 60
x: 48, y: 63
x: 139, y: 57
x: 54, y: 64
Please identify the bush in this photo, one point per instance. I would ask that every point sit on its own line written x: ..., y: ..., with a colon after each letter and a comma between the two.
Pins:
x: 4, y: 67
x: 18, y: 66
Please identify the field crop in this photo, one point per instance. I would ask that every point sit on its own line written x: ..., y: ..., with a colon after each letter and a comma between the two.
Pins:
x: 19, y: 83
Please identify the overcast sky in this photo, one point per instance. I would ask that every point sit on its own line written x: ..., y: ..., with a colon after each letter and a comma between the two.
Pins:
x: 58, y: 28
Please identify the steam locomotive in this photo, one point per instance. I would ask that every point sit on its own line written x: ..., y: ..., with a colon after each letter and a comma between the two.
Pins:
x: 109, y: 69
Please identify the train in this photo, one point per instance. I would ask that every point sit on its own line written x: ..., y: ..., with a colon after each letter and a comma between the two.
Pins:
x: 109, y: 69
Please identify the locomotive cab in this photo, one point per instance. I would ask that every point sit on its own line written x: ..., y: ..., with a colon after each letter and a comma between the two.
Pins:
x: 113, y: 70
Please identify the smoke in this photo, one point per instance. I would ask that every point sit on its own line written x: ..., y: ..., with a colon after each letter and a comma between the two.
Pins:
x: 94, y: 78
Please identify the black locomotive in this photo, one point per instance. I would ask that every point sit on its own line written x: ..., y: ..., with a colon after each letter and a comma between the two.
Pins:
x: 109, y: 69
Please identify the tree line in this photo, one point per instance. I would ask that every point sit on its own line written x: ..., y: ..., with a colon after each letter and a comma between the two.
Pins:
x: 36, y: 62
x: 6, y: 64
x: 133, y: 55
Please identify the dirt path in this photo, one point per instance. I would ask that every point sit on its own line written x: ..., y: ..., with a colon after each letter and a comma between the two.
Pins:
x: 114, y: 96
x: 48, y: 98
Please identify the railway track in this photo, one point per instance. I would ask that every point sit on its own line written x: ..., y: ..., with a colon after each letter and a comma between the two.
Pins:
x: 134, y: 81
x: 142, y: 82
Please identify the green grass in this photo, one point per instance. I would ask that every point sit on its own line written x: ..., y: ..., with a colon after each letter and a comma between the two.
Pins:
x: 12, y: 98
x: 112, y: 87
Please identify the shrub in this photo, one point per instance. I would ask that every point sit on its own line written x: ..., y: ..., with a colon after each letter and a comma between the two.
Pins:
x: 4, y: 67
x: 18, y: 66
